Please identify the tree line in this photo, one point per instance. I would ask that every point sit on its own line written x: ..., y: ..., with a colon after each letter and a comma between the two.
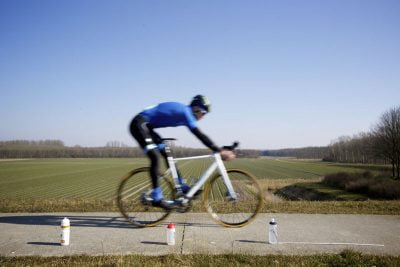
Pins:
x: 380, y: 145
x: 57, y: 149
x: 361, y: 148
x: 113, y: 149
x: 319, y: 152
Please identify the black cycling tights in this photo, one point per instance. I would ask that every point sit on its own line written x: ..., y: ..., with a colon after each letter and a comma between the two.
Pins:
x: 154, y: 155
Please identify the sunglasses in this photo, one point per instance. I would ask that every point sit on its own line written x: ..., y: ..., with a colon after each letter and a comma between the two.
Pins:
x: 202, y: 111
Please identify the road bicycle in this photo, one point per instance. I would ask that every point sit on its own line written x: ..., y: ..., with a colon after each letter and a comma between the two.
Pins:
x: 232, y: 197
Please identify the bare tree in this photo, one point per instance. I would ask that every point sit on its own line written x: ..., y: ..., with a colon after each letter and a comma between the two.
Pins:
x: 387, y: 136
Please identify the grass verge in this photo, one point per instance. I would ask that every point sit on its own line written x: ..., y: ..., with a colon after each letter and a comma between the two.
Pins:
x: 335, y: 207
x: 345, y: 258
x: 93, y: 205
x: 338, y: 194
x: 318, y: 191
x: 374, y: 186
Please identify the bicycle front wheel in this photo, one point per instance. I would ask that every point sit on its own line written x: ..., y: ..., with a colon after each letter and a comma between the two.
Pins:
x: 229, y: 212
x: 130, y: 192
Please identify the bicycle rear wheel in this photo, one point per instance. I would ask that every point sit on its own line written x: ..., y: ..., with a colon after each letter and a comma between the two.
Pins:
x: 233, y: 213
x: 130, y: 191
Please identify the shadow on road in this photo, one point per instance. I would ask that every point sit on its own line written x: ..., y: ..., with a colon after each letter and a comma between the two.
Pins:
x: 85, y: 221
x: 154, y: 243
x: 251, y: 241
x: 197, y: 224
x: 44, y: 243
x: 81, y: 221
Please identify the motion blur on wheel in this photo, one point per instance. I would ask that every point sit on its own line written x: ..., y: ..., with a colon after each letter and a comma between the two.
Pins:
x: 233, y: 212
x: 134, y: 199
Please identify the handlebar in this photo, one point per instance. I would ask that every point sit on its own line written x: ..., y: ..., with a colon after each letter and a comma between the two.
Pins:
x: 231, y: 147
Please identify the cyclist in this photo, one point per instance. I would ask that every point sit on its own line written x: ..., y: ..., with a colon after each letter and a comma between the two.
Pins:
x: 170, y: 114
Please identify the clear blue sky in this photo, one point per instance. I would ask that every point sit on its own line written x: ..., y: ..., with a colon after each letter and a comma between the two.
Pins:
x: 279, y: 73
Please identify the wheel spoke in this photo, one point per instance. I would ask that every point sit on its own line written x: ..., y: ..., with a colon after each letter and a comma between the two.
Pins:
x: 129, y: 202
x: 234, y: 213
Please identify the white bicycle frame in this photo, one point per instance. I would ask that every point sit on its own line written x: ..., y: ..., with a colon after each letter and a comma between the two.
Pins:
x: 217, y: 164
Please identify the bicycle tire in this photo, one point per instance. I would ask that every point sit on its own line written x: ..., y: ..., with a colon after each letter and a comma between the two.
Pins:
x: 132, y: 185
x: 231, y: 213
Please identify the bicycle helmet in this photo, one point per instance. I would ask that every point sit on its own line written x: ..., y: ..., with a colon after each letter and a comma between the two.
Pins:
x: 201, y: 102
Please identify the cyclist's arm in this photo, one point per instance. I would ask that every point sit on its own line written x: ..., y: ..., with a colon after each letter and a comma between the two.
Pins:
x: 205, y: 140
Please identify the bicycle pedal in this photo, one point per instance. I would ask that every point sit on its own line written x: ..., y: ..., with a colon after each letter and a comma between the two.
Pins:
x: 183, y: 209
x: 145, y: 199
x: 183, y: 205
x: 165, y: 204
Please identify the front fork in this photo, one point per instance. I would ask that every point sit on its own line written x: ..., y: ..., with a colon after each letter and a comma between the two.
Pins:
x: 225, y: 176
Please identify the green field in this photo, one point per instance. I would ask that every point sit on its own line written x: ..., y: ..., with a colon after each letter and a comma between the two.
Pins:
x: 99, y: 178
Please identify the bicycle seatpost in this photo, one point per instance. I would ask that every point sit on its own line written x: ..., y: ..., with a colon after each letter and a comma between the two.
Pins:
x: 166, y: 147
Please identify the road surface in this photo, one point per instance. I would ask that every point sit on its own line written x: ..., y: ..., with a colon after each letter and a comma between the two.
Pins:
x: 23, y: 234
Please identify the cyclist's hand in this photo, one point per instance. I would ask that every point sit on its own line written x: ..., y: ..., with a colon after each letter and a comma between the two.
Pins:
x: 227, y: 155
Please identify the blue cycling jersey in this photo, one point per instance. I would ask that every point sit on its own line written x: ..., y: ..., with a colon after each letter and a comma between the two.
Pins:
x: 170, y: 114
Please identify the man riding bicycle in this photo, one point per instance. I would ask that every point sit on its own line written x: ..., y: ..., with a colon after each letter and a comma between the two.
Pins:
x: 170, y: 114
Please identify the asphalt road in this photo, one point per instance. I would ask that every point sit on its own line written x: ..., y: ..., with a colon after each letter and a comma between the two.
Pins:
x: 107, y: 233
